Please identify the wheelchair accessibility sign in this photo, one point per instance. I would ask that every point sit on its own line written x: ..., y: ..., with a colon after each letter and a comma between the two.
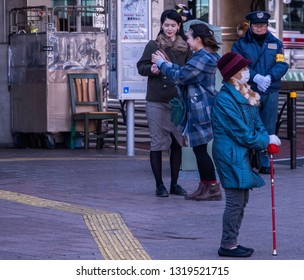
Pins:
x: 126, y: 90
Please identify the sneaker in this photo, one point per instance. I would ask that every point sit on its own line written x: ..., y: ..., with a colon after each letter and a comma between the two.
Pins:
x: 235, y: 253
x: 177, y: 190
x: 161, y: 191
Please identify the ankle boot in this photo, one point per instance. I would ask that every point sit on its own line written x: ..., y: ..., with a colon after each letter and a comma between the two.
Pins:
x: 193, y: 195
x: 210, y: 192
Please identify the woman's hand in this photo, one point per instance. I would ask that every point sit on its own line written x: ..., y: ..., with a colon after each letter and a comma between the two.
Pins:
x: 158, y: 58
x: 154, y: 69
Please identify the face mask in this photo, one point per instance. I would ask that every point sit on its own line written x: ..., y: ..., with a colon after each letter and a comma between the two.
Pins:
x: 245, y: 77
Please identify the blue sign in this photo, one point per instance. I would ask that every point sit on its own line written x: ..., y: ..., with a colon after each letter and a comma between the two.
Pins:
x: 126, y: 90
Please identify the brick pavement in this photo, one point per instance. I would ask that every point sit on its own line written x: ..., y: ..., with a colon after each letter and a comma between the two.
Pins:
x: 65, y: 187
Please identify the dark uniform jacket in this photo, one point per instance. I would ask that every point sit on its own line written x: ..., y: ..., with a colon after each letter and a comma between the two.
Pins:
x: 267, y: 59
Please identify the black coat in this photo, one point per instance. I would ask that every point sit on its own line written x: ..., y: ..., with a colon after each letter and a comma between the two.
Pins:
x: 159, y: 88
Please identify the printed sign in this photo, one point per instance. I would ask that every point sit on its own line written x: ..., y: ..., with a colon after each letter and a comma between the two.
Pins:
x: 135, y: 20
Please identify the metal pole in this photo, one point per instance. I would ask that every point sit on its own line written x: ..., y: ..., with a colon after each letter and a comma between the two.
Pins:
x: 4, y: 22
x: 78, y: 17
x: 214, y: 12
x: 292, y: 130
x: 278, y: 18
x: 130, y: 127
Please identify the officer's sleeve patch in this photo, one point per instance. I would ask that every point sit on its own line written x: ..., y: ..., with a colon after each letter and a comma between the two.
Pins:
x: 280, y: 57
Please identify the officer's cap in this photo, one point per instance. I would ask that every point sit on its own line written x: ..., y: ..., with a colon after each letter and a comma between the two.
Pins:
x: 258, y: 17
x: 182, y: 10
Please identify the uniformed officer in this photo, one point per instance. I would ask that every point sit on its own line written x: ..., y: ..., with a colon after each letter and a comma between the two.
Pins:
x: 266, y: 70
x: 183, y: 10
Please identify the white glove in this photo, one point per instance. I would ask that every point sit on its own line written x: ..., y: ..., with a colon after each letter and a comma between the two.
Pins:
x: 273, y: 139
x: 268, y: 81
x: 262, y: 82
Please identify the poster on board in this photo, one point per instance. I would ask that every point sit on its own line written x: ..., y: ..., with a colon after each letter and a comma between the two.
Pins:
x: 135, y: 22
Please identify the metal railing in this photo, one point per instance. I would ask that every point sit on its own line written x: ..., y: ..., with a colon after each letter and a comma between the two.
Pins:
x: 34, y: 19
x: 291, y: 115
x: 290, y: 105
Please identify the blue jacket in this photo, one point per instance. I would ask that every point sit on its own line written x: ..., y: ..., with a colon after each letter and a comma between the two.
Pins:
x: 264, y: 59
x: 237, y: 129
x: 197, y: 80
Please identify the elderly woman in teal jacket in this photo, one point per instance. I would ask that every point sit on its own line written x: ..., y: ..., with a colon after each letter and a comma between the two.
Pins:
x: 197, y: 79
x: 237, y: 129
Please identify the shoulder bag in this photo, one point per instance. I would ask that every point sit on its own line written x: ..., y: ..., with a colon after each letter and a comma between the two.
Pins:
x: 178, y: 108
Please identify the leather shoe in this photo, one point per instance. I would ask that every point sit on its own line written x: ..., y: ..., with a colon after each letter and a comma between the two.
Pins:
x: 235, y: 253
x: 161, y: 191
x: 177, y: 190
x: 264, y: 170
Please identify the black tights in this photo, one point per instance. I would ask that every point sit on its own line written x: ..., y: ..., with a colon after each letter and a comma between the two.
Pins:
x: 204, y: 163
x: 175, y: 162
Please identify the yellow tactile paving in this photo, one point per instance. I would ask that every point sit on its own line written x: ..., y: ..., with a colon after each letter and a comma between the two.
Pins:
x: 115, y: 241
x: 46, y: 203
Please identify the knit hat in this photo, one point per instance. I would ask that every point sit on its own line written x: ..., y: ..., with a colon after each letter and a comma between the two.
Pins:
x: 231, y: 63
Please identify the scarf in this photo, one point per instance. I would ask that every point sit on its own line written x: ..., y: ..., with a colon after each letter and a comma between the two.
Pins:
x: 179, y: 44
x: 252, y: 96
x: 260, y: 38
